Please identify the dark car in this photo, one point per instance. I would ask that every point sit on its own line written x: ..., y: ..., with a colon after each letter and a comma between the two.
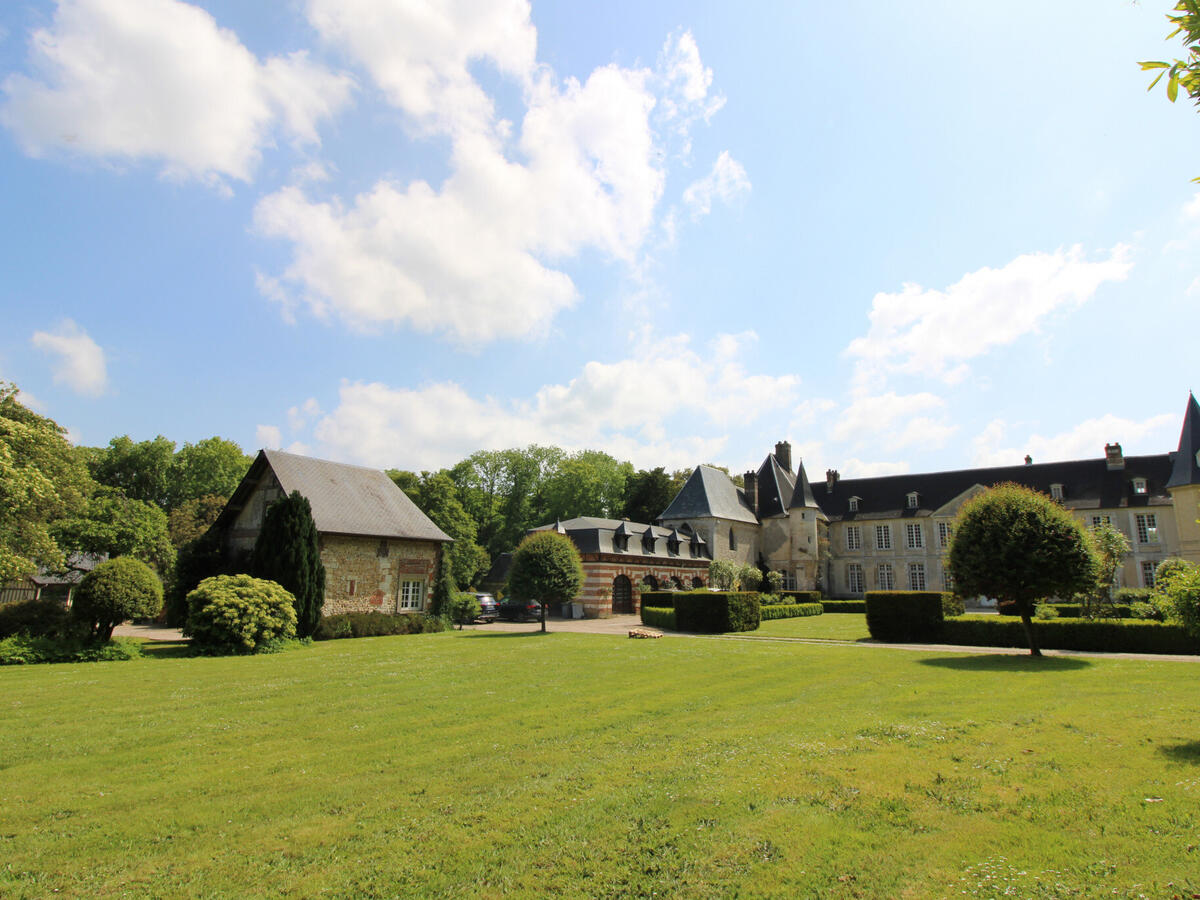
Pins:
x: 488, y: 607
x: 520, y: 610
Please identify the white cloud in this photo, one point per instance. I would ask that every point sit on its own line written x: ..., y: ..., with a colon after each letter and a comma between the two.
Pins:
x: 1085, y: 441
x: 268, y: 437
x: 81, y: 365
x: 934, y: 333
x: 1192, y: 209
x: 726, y: 182
x: 686, y: 98
x: 889, y: 421
x: 478, y: 256
x: 857, y: 468
x: 299, y: 416
x: 1193, y: 289
x: 606, y: 406
x: 160, y: 80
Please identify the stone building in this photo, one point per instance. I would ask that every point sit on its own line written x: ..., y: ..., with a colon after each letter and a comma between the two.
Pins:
x: 379, y: 550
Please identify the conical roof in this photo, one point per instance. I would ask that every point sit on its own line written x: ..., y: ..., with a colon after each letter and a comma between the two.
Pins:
x: 802, y: 497
x: 1185, y: 467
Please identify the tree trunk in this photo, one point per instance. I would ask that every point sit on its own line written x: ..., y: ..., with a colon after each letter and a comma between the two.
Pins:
x: 1030, y: 635
x: 543, y: 617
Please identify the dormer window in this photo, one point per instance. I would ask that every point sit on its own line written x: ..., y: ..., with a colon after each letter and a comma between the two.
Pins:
x: 620, y: 542
x: 913, y: 500
x: 1139, y: 485
x: 648, y: 541
x: 1056, y: 492
x: 853, y: 504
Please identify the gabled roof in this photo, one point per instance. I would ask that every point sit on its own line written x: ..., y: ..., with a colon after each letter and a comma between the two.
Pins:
x: 345, y: 499
x: 591, y: 534
x: 775, y: 487
x: 709, y: 493
x: 1185, y: 467
x: 802, y: 496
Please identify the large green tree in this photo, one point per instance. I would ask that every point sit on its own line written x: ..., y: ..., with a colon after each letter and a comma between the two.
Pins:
x: 545, y: 567
x: 437, y: 497
x: 114, y: 591
x: 647, y: 494
x: 588, y: 483
x: 193, y: 518
x: 41, y: 479
x: 1181, y: 73
x: 1019, y: 546
x: 287, y: 552
x: 115, y: 525
x: 213, y: 466
x: 141, y: 470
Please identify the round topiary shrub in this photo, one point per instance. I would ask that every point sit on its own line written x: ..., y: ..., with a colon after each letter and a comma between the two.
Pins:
x: 120, y: 589
x: 239, y: 613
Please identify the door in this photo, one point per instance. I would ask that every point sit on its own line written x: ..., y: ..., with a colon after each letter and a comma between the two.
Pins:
x: 622, y: 596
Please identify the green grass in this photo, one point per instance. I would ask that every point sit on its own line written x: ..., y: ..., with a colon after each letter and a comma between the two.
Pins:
x: 491, y: 764
x: 827, y: 627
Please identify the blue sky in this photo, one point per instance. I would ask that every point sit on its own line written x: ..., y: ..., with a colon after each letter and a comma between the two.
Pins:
x: 903, y: 236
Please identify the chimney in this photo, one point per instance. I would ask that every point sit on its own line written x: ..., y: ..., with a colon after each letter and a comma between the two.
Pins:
x: 783, y: 453
x: 1112, y: 456
x: 751, y: 481
x: 831, y: 478
x: 1028, y: 460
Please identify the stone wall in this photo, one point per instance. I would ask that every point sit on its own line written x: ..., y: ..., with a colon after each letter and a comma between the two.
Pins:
x: 600, y: 569
x: 376, y: 567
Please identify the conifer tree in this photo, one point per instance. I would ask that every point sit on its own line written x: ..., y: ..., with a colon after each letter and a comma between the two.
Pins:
x: 443, y: 589
x: 287, y: 552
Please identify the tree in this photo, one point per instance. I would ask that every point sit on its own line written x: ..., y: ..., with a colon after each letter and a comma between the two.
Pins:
x: 546, y: 567
x: 114, y: 591
x: 192, y: 518
x: 436, y: 495
x: 443, y: 589
x: 1019, y: 546
x: 647, y: 494
x: 140, y: 470
x: 213, y: 466
x: 723, y: 574
x: 588, y: 483
x: 1181, y: 72
x: 287, y: 552
x: 41, y: 479
x: 114, y: 525
x: 1109, y: 547
x: 1177, y: 593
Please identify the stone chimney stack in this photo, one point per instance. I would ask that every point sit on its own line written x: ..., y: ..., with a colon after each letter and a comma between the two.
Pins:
x: 783, y: 453
x: 1028, y: 460
x: 1114, y: 457
x: 751, y: 481
x: 831, y: 478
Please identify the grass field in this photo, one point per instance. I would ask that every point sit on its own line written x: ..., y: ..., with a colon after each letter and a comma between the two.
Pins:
x: 491, y: 764
x: 828, y: 627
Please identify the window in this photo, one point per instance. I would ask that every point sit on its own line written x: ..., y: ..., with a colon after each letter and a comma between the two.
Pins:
x: 883, y: 537
x: 350, y: 588
x: 732, y: 540
x: 789, y: 580
x: 948, y: 579
x: 853, y: 537
x: 1097, y: 521
x: 1147, y: 528
x: 672, y: 546
x: 1056, y: 492
x: 854, y: 579
x: 916, y: 576
x: 887, y: 581
x: 411, y: 593
x: 1148, y: 574
x: 1139, y: 485
x: 853, y: 504
x: 620, y: 542
x: 943, y: 534
x: 913, y: 500
x: 382, y: 550
x: 915, y: 536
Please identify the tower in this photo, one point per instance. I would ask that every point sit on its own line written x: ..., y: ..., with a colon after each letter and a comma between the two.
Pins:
x: 1184, y: 483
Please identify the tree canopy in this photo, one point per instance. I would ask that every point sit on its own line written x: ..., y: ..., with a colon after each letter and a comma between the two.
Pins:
x: 211, y: 467
x: 114, y: 591
x: 112, y: 524
x: 546, y: 567
x: 647, y: 494
x: 1185, y: 72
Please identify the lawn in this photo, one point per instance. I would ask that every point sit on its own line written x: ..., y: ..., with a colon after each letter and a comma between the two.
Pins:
x: 826, y: 627
x: 492, y: 764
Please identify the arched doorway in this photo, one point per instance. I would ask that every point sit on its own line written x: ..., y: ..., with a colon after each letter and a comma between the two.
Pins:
x: 676, y: 583
x: 650, y: 582
x: 697, y: 582
x: 622, y: 596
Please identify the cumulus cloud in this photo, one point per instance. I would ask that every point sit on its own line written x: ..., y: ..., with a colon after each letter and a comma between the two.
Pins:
x: 726, y: 182
x: 604, y: 407
x: 479, y: 256
x: 160, y: 80
x: 81, y: 365
x: 890, y: 421
x: 922, y: 331
x: 994, y: 446
x: 268, y: 437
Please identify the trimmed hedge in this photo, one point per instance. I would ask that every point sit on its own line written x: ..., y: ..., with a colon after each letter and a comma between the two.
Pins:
x: 659, y: 617
x: 803, y: 596
x: 1114, y: 636
x: 844, y: 606
x: 898, y: 616
x: 1069, y: 610
x: 373, y: 624
x: 790, y: 611
x: 658, y: 599
x: 717, y: 612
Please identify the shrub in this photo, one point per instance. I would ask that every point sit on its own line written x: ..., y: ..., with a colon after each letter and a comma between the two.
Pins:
x: 722, y: 574
x: 1177, y: 593
x: 770, y: 599
x: 904, y: 615
x: 24, y: 649
x: 464, y: 608
x: 1045, y: 612
x: 952, y: 604
x: 240, y: 613
x: 1147, y: 610
x: 716, y: 612
x: 802, y: 596
x: 37, y: 618
x: 1130, y: 595
x: 373, y: 624
x: 749, y: 578
x: 659, y: 617
x: 774, y: 582
x: 1111, y: 636
x: 658, y: 599
x: 120, y: 589
x: 790, y: 611
x: 844, y: 606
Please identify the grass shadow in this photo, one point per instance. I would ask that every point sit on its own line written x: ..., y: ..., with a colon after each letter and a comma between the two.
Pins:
x: 511, y: 634
x: 1188, y: 752
x: 167, y: 649
x: 1006, y: 662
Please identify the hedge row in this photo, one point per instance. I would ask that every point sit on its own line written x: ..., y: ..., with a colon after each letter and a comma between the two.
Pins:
x: 658, y: 599
x: 844, y: 606
x: 802, y: 596
x: 1122, y: 636
x: 658, y: 617
x: 1071, y: 610
x: 373, y: 624
x: 790, y: 611
x: 21, y: 649
x: 899, y: 616
x: 716, y: 612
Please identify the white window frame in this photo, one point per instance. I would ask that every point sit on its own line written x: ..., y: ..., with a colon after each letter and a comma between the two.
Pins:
x: 914, y: 501
x: 853, y: 504
x: 1147, y: 528
x: 1056, y: 492
x: 886, y: 577
x: 853, y: 537
x: 943, y: 534
x: 914, y: 535
x: 1139, y: 486
x: 916, y: 576
x: 411, y: 596
x: 855, y: 582
x: 883, y: 537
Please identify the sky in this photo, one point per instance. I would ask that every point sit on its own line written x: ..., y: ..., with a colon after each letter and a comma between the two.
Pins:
x: 903, y: 237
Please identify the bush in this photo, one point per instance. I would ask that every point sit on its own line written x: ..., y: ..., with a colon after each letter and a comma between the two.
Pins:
x: 464, y: 608
x: 38, y: 618
x: 790, y: 611
x: 239, y: 613
x: 120, y: 589
x: 1147, y: 610
x: 749, y: 578
x: 952, y: 604
x: 373, y: 624
x: 1045, y: 612
x: 1130, y: 595
x: 770, y: 600
x: 24, y: 649
x: 844, y: 606
x: 1112, y: 636
x: 802, y: 596
x: 722, y: 574
x: 658, y: 599
x: 659, y: 617
x: 904, y: 615
x: 716, y: 612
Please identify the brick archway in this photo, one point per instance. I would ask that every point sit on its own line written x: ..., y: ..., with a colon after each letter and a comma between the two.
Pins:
x: 622, y: 596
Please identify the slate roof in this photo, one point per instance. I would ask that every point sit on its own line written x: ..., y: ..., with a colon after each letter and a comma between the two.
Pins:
x: 345, y: 499
x: 1087, y: 484
x: 710, y: 493
x: 802, y: 496
x: 775, y: 487
x: 595, y: 535
x: 1186, y: 463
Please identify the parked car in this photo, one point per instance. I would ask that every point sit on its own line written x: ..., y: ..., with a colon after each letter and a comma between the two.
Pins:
x: 515, y: 610
x: 488, y: 607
